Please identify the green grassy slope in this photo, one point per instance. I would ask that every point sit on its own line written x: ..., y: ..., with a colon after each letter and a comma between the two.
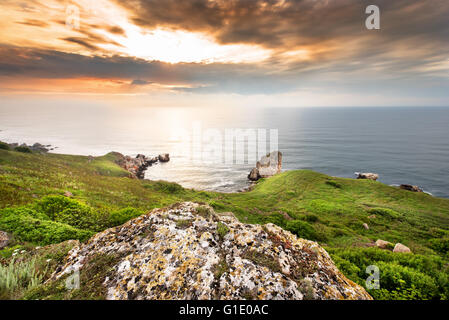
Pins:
x: 338, y: 208
x: 312, y: 205
x: 100, y: 182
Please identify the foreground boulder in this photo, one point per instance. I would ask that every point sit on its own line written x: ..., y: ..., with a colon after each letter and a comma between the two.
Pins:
x: 367, y: 176
x: 188, y: 251
x: 411, y: 188
x: 267, y: 166
x: 4, y: 239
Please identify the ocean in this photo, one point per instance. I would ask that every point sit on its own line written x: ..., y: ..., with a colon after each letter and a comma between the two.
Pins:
x: 404, y: 145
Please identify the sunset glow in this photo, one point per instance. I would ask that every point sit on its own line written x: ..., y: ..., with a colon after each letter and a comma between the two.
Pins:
x: 243, y: 48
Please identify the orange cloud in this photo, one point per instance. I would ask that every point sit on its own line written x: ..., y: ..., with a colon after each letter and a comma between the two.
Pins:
x: 211, y: 46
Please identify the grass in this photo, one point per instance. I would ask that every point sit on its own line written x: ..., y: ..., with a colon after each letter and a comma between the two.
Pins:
x: 336, y: 215
x: 91, y: 277
x: 98, y: 182
x: 262, y: 259
x: 221, y: 269
x: 222, y: 229
x: 25, y: 267
x: 314, y: 206
x: 17, y: 275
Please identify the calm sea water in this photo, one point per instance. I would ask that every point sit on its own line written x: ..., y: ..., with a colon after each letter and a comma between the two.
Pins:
x: 402, y: 145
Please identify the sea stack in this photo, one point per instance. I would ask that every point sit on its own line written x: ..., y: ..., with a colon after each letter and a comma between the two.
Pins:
x: 267, y: 166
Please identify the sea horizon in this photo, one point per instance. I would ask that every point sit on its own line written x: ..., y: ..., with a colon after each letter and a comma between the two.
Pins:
x: 404, y: 145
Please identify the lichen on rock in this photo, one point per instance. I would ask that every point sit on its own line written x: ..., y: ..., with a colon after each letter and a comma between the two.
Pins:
x: 210, y: 256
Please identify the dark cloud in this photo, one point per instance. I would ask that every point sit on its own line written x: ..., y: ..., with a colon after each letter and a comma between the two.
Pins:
x: 138, y: 82
x: 202, y: 78
x: 217, y: 77
x: 94, y: 37
x: 290, y: 23
x: 116, y: 30
x: 413, y: 34
x: 34, y: 23
x: 84, y: 42
x: 89, y: 39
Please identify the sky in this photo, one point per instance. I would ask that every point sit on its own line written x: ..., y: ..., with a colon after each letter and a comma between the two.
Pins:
x: 225, y: 52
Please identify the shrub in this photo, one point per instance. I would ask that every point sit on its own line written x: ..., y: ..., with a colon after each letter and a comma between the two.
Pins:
x: 311, y: 218
x: 302, y: 229
x: 277, y: 219
x: 23, y: 212
x: 222, y: 229
x: 4, y: 146
x: 403, y: 283
x: 72, y: 212
x: 333, y: 183
x: 23, y: 149
x: 440, y: 245
x: 52, y: 205
x: 65, y: 210
x: 28, y: 228
x: 119, y: 217
x: 183, y: 223
x: 81, y: 217
x: 204, y: 212
x: 167, y: 187
x: 387, y: 213
x: 340, y: 232
x: 402, y: 276
x: 216, y: 205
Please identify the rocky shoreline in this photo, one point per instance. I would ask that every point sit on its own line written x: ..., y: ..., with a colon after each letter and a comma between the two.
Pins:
x: 36, y: 147
x: 268, y: 166
x: 138, y: 165
x: 375, y: 177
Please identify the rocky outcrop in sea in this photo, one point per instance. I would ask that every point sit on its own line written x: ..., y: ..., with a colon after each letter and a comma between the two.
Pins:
x: 137, y: 166
x: 411, y: 188
x: 188, y: 251
x: 367, y: 176
x: 267, y: 166
x: 37, y: 147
